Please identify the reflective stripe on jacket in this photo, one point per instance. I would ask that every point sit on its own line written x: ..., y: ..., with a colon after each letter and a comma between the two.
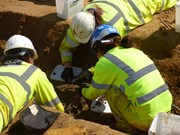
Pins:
x: 131, y: 72
x: 124, y: 15
x: 21, y: 83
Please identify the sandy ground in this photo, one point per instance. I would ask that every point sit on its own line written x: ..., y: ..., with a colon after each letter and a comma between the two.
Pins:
x: 39, y: 22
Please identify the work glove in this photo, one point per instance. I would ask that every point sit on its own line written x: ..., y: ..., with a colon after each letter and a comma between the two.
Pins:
x: 83, y: 85
x: 84, y: 77
x: 67, y: 74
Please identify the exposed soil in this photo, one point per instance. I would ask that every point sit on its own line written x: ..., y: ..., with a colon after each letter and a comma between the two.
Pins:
x: 39, y: 22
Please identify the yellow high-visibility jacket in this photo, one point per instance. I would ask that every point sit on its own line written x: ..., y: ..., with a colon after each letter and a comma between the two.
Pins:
x: 21, y: 82
x: 133, y: 86
x: 124, y: 15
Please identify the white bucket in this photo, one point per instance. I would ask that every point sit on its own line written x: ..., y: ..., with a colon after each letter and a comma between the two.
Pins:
x: 177, y: 21
x: 165, y: 124
x: 68, y: 8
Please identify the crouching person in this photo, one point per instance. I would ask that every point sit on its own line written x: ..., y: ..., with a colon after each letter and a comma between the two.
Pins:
x: 129, y: 79
x: 21, y: 81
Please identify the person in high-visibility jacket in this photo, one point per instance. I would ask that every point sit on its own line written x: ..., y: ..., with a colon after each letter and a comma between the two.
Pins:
x: 129, y: 79
x: 124, y: 15
x: 21, y: 81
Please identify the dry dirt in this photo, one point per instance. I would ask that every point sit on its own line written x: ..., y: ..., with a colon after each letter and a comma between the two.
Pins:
x: 39, y: 22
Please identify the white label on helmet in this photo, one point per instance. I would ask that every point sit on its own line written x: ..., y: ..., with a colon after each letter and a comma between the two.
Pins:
x: 107, y: 41
x: 33, y: 109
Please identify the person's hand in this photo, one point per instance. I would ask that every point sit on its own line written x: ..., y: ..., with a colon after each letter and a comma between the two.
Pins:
x: 84, y: 77
x: 83, y: 85
x: 67, y: 74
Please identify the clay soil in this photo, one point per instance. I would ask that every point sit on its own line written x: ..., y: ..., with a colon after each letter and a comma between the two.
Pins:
x: 39, y: 22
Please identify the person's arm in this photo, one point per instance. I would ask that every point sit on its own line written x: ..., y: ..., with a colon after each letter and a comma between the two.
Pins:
x: 45, y: 93
x: 101, y: 81
x: 68, y: 47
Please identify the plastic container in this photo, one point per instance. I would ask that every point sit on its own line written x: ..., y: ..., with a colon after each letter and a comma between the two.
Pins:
x: 177, y: 21
x: 100, y: 106
x: 57, y: 71
x: 165, y: 124
x: 68, y: 8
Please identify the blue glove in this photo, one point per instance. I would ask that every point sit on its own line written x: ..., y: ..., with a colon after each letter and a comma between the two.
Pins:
x: 67, y: 74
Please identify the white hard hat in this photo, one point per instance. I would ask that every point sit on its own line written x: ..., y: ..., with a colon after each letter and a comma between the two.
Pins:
x: 19, y: 41
x: 83, y: 24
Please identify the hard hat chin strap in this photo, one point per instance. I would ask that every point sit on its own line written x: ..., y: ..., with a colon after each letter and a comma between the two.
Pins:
x: 19, y: 53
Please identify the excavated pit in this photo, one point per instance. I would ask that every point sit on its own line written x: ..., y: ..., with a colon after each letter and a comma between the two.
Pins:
x: 160, y: 44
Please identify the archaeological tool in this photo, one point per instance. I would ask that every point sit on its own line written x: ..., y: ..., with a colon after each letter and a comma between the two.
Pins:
x: 57, y: 71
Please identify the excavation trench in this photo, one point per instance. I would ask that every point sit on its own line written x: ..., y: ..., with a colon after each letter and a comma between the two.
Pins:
x: 162, y: 45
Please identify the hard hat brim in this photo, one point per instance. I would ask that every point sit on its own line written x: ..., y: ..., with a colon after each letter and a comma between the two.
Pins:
x: 40, y: 121
x: 81, y: 40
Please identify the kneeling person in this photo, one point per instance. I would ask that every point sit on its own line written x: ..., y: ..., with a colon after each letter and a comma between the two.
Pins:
x: 133, y: 86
